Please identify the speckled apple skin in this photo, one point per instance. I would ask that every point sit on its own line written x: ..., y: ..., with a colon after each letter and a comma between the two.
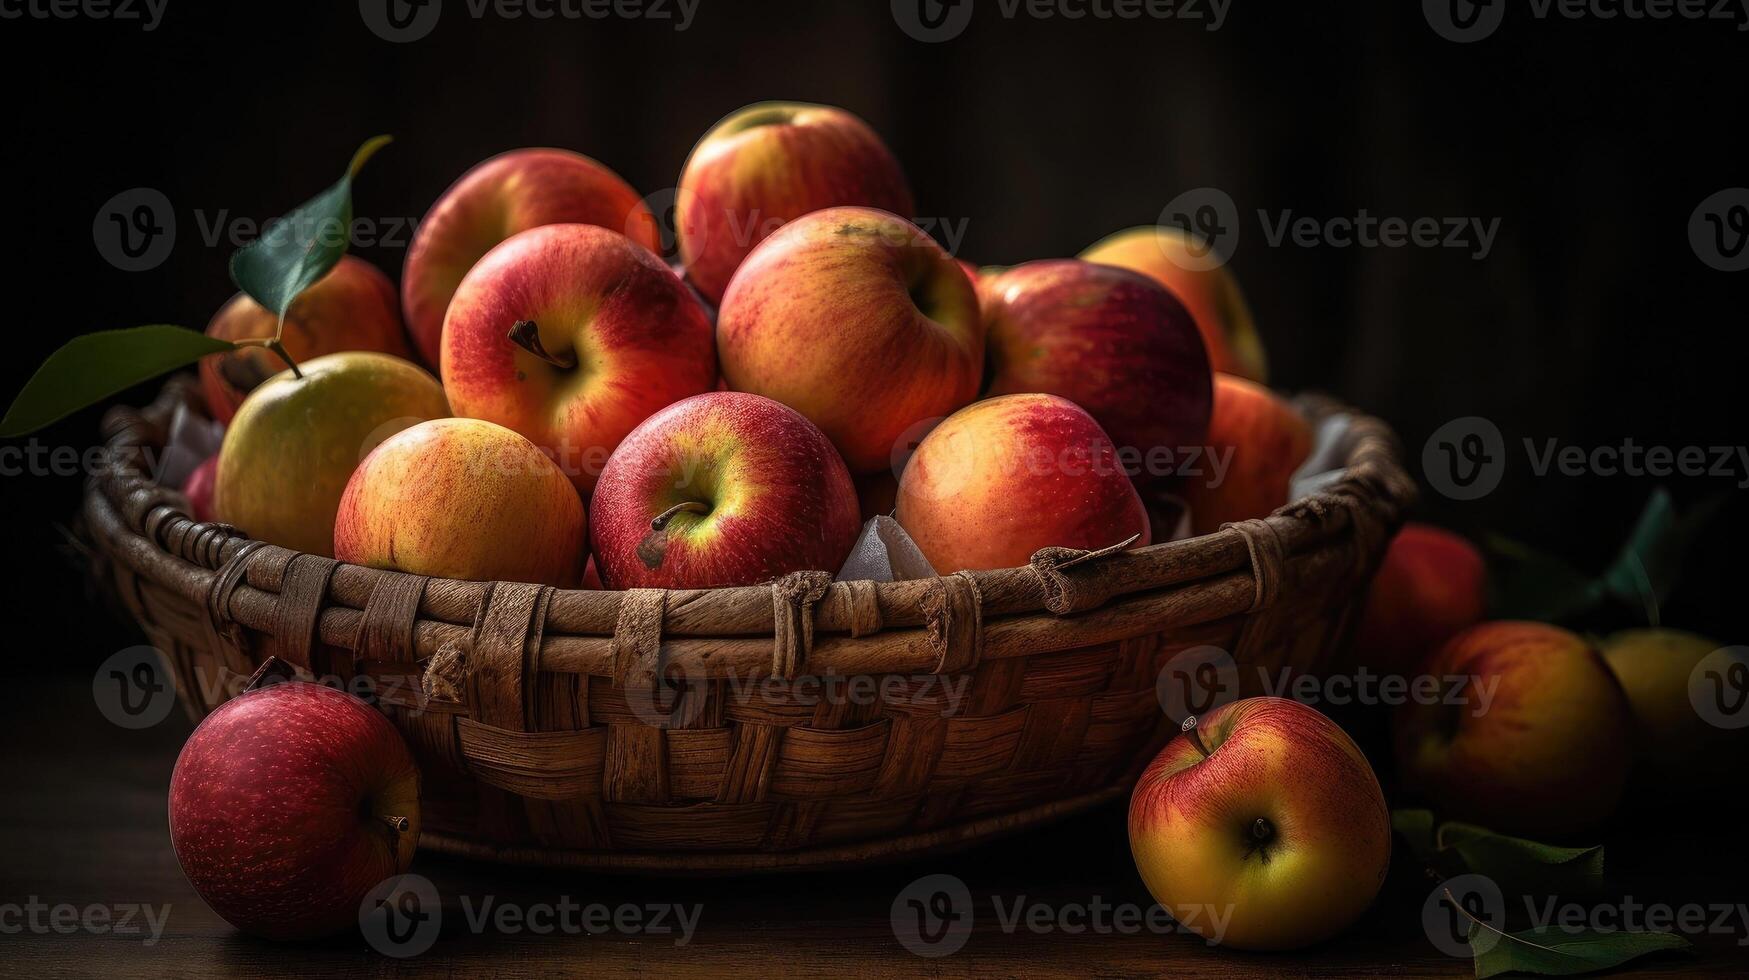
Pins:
x: 780, y: 498
x: 276, y: 804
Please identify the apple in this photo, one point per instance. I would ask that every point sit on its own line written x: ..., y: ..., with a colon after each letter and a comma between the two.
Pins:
x: 858, y: 320
x: 572, y: 335
x: 295, y: 441
x: 509, y: 193
x: 1431, y: 585
x: 353, y: 307
x: 198, y: 488
x: 1266, y: 813
x: 722, y: 489
x: 1255, y: 443
x: 1113, y: 342
x: 768, y: 164
x: 1537, y: 744
x: 465, y: 499
x: 289, y: 804
x: 1656, y: 668
x: 1002, y: 478
x: 1181, y: 263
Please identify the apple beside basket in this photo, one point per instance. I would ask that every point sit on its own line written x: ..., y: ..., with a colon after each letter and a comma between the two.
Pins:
x: 693, y: 731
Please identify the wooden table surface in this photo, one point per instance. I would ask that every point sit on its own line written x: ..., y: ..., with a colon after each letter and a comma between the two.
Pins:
x: 84, y: 823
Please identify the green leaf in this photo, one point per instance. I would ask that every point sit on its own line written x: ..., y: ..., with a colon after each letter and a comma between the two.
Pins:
x: 1416, y: 828
x: 1650, y: 562
x: 1523, y: 867
x: 300, y: 248
x: 1557, y: 952
x: 88, y: 369
x: 1525, y: 583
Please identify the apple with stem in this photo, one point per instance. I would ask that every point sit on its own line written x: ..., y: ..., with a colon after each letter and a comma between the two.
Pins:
x: 288, y: 804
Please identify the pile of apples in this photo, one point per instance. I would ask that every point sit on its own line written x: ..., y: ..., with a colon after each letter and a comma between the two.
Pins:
x: 812, y: 359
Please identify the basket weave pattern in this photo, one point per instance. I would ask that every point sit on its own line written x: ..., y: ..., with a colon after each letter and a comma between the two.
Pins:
x: 805, y: 723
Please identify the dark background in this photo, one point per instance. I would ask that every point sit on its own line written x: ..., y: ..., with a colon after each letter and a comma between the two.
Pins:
x: 1592, y: 320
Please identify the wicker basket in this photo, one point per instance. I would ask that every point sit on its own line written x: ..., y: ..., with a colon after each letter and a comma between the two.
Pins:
x: 551, y: 730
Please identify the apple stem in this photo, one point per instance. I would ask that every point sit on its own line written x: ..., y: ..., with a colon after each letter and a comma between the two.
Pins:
x: 1189, y: 728
x: 526, y: 335
x: 691, y: 507
x: 397, y: 824
x: 272, y: 344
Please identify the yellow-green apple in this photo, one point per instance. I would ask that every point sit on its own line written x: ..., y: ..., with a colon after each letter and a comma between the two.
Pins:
x: 1264, y: 819
x: 198, y: 488
x: 1255, y: 442
x: 1656, y: 668
x: 572, y: 335
x: 295, y: 441
x: 353, y: 307
x: 1113, y: 342
x: 1002, y: 478
x: 1537, y: 742
x: 1174, y: 259
x: 856, y: 319
x: 511, y: 192
x: 1431, y: 585
x: 467, y: 499
x: 289, y: 804
x: 770, y: 163
x: 722, y: 489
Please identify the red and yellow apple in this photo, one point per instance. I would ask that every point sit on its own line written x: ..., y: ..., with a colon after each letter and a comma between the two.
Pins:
x: 289, y: 804
x: 1255, y: 443
x: 1538, y: 740
x: 604, y: 335
x: 1431, y: 585
x: 1264, y: 819
x: 1002, y: 478
x: 858, y: 320
x: 722, y: 489
x: 295, y: 441
x: 466, y: 499
x: 768, y: 164
x: 198, y: 488
x: 1111, y: 341
x: 353, y: 307
x: 1656, y: 668
x: 506, y: 194
x: 1174, y: 259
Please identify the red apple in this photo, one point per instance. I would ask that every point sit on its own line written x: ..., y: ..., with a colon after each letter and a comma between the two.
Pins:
x: 198, y: 488
x: 856, y: 319
x: 289, y: 804
x: 511, y: 192
x: 1255, y: 443
x: 462, y: 498
x: 722, y: 489
x: 353, y: 307
x: 770, y: 163
x: 1181, y: 263
x: 1538, y: 743
x: 1110, y: 340
x: 1002, y: 478
x: 1431, y: 585
x: 606, y: 336
x: 1265, y: 820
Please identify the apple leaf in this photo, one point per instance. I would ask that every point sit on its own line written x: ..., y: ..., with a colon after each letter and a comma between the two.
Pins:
x: 1651, y: 560
x: 1521, y: 866
x: 300, y: 248
x: 92, y: 367
x: 1416, y: 828
x: 1559, y: 952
